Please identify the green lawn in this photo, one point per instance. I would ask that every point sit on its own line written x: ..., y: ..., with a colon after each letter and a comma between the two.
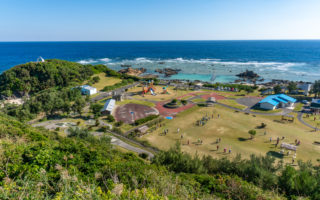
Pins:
x: 187, y: 97
x: 233, y: 103
x: 105, y: 81
x: 298, y: 107
x: 232, y: 128
x: 158, y: 90
x: 266, y: 111
x: 142, y: 102
x: 313, y: 120
x: 237, y: 95
x: 198, y: 100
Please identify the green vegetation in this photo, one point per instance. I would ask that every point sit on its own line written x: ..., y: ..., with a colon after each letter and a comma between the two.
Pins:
x: 298, y: 107
x: 262, y: 171
x: 277, y: 89
x: 96, y: 109
x: 292, y: 86
x: 246, y: 88
x: 260, y: 110
x: 316, y: 88
x: 252, y: 133
x: 34, y: 77
x: 124, y: 82
x: 146, y: 103
x: 146, y: 119
x: 105, y: 80
x: 232, y: 103
x: 51, y: 102
x: 198, y: 100
x: 37, y: 164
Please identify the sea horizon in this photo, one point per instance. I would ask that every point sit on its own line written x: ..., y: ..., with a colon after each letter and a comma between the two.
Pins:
x: 296, y: 60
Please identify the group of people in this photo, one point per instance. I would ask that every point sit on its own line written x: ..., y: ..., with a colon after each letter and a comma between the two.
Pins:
x: 205, y: 119
x: 165, y: 131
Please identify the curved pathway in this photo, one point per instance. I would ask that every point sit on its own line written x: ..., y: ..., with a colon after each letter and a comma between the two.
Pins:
x: 300, y: 118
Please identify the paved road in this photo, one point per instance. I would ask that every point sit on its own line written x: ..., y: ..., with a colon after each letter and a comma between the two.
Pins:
x: 103, y: 95
x: 300, y: 115
x: 121, y: 143
x: 118, y: 142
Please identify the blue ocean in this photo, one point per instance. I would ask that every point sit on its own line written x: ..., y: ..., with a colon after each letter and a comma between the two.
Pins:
x: 297, y: 60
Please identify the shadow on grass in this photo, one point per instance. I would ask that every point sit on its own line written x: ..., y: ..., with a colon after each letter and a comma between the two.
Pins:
x: 241, y: 139
x: 275, y: 154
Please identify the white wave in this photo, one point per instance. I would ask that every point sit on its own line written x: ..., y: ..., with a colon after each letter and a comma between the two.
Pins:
x: 105, y: 59
x: 142, y: 59
x: 88, y: 61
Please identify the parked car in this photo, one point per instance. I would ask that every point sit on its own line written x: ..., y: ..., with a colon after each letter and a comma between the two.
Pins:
x: 305, y: 101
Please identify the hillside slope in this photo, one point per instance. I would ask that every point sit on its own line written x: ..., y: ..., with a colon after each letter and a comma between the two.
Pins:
x: 37, y: 164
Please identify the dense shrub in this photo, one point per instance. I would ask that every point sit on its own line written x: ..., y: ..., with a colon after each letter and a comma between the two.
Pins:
x: 34, y: 77
x: 146, y: 119
x: 118, y: 124
x: 110, y: 118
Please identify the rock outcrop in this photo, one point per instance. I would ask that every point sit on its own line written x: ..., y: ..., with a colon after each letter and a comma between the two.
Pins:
x: 132, y: 71
x: 248, y: 75
x: 168, y: 71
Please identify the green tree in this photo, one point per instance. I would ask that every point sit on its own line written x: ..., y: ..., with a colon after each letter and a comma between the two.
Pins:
x: 78, y: 106
x: 277, y: 89
x: 95, y: 79
x: 316, y: 88
x: 96, y: 109
x: 66, y: 107
x: 252, y: 133
x: 292, y: 86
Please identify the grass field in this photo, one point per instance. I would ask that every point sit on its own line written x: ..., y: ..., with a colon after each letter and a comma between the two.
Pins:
x: 198, y: 100
x: 146, y: 103
x: 233, y: 103
x: 266, y: 111
x: 237, y: 95
x: 298, y: 106
x: 233, y: 129
x: 310, y: 120
x: 159, y: 97
x: 105, y: 81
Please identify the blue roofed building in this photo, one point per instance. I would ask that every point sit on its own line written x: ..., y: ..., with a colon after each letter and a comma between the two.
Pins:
x: 277, y: 101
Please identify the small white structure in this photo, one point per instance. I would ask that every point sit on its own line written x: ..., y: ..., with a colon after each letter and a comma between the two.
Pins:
x: 88, y: 90
x: 108, y: 107
x: 211, y: 101
x: 288, y: 146
x: 40, y: 59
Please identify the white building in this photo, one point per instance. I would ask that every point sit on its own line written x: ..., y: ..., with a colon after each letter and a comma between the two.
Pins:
x: 88, y: 90
x: 108, y: 107
x: 306, y: 87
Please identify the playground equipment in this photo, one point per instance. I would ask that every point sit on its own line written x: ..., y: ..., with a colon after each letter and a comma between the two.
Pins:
x: 150, y: 88
x: 164, y: 90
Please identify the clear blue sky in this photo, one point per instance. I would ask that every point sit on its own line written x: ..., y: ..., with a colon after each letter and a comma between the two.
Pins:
x: 109, y: 20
